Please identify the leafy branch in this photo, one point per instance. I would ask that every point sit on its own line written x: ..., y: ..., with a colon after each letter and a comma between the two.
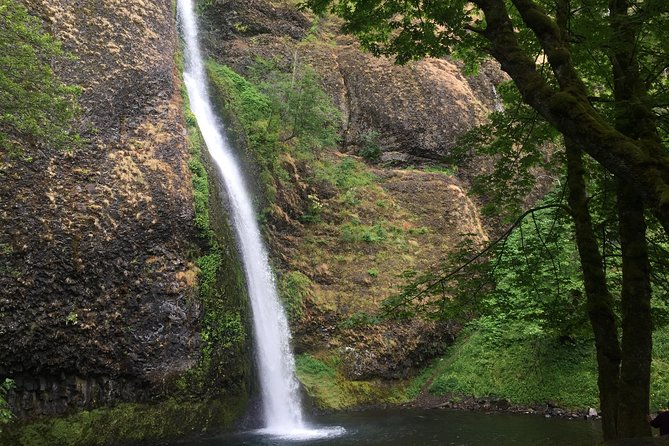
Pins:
x: 406, y: 298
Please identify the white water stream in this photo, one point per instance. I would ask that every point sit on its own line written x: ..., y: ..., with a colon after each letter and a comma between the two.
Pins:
x: 276, y: 366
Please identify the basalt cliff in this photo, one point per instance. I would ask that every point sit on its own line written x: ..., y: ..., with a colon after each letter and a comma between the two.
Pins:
x: 108, y: 300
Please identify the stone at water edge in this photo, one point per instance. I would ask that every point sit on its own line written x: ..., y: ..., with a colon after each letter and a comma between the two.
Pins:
x: 646, y: 441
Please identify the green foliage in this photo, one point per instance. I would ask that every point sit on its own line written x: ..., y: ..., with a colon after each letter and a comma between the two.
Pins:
x: 251, y: 106
x: 659, y: 383
x: 35, y: 106
x: 253, y: 111
x: 6, y: 414
x: 200, y: 195
x: 525, y: 373
x: 527, y: 285
x: 72, y: 318
x: 347, y: 175
x: 448, y: 170
x: 330, y: 390
x: 209, y: 265
x: 6, y: 249
x: 307, y: 364
x: 128, y: 423
x: 538, y: 284
x: 370, y: 148
x: 403, y: 29
x: 203, y: 5
x: 300, y: 107
x: 222, y: 332
x: 280, y: 113
x: 354, y: 232
x: 520, y: 142
x: 315, y: 206
x: 294, y: 288
x: 531, y: 371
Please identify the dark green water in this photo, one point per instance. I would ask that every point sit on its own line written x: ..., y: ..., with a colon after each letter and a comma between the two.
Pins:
x: 429, y: 427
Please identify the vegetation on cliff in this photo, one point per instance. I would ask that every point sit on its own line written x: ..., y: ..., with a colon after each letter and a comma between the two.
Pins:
x: 223, y: 364
x: 100, y: 257
x: 351, y: 224
x: 6, y: 414
x: 37, y: 108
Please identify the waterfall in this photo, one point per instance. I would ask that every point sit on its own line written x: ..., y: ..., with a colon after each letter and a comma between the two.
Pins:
x: 276, y: 366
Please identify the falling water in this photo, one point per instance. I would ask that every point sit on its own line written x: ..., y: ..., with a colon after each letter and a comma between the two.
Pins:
x: 281, y: 404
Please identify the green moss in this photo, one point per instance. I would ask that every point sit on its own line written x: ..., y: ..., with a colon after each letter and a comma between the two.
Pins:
x: 294, y: 288
x: 329, y: 389
x: 223, y: 364
x: 128, y: 422
x: 249, y: 113
x: 277, y: 118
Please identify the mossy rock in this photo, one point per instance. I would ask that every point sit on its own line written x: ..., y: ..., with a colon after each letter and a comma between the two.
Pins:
x: 128, y: 424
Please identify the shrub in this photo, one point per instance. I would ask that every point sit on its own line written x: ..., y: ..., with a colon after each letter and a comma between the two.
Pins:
x: 370, y: 148
x: 6, y: 414
x: 294, y: 288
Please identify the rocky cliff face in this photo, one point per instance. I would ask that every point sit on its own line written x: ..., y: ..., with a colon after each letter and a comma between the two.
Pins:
x: 418, y: 110
x: 350, y: 257
x: 99, y: 295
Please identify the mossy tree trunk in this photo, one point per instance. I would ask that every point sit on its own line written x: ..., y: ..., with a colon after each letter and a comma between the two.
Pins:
x: 599, y: 300
x: 643, y: 163
x: 636, y: 317
x: 624, y: 373
x: 634, y: 118
x: 632, y: 151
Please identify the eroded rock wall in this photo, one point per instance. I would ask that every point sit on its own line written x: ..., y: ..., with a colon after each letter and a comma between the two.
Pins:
x: 419, y: 109
x: 99, y: 295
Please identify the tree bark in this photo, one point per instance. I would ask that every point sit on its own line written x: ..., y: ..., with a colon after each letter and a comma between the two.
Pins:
x: 636, y: 317
x: 642, y: 162
x: 635, y: 119
x: 599, y: 299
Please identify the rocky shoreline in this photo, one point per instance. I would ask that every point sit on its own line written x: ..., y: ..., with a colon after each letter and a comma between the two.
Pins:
x: 465, y: 402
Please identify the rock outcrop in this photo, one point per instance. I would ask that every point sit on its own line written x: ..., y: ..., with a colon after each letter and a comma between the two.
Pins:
x: 99, y: 295
x: 418, y: 110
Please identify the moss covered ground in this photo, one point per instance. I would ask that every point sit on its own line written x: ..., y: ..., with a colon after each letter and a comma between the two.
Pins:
x: 132, y: 423
x: 329, y: 389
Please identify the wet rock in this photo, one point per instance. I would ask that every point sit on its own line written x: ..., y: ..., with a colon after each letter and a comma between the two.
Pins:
x: 99, y: 235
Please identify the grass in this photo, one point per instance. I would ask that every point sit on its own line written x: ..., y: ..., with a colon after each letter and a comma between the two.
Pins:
x: 533, y: 372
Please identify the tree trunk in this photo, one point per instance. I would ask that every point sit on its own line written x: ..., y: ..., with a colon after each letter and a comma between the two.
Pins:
x: 642, y: 162
x: 599, y: 299
x: 636, y: 320
x: 635, y: 119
